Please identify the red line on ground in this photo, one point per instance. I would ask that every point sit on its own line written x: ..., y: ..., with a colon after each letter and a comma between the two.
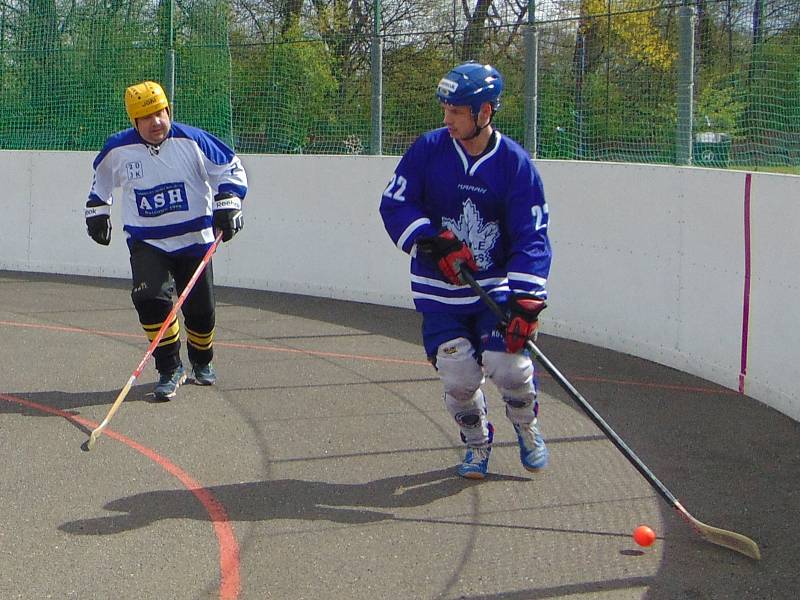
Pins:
x: 230, y: 582
x: 371, y: 358
x: 746, y: 300
x: 661, y: 386
x: 220, y: 343
x: 66, y: 329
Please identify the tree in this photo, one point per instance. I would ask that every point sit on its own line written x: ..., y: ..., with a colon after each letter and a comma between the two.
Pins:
x: 474, y: 33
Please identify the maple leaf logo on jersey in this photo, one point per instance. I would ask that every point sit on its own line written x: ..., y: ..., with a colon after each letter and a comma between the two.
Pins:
x: 481, y: 237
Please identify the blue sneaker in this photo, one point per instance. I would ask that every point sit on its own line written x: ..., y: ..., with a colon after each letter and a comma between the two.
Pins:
x: 476, y: 463
x: 168, y: 383
x: 532, y: 452
x: 204, y: 374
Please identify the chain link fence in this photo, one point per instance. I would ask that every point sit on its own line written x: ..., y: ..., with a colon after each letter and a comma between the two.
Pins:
x: 713, y: 83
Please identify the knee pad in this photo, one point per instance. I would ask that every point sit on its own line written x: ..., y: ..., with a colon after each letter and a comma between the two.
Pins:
x: 470, y: 416
x: 469, y: 413
x: 459, y: 371
x: 151, y: 308
x: 511, y: 373
x: 513, y: 376
x: 146, y: 293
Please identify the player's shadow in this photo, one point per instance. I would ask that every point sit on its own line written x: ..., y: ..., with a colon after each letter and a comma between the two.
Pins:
x: 60, y: 404
x: 68, y: 402
x: 283, y: 499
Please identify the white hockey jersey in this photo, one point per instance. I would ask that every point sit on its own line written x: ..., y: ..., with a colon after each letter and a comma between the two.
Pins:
x: 167, y: 192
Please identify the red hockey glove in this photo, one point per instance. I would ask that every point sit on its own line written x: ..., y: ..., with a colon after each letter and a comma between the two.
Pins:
x: 448, y: 252
x: 523, y: 321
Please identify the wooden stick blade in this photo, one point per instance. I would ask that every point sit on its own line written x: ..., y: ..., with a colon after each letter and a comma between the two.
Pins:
x: 89, y: 444
x: 92, y: 439
x: 730, y: 539
x: 722, y: 537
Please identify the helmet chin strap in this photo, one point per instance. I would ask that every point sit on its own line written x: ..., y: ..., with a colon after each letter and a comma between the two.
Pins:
x: 479, y: 128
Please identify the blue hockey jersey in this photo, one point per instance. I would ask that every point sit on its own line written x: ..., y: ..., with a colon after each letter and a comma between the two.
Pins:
x: 167, y: 191
x: 494, y: 202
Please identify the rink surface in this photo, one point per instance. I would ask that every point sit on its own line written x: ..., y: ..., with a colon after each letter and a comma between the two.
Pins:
x: 322, y: 466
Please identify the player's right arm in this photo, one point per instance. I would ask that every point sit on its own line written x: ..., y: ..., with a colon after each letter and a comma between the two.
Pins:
x: 401, y: 202
x: 98, y: 205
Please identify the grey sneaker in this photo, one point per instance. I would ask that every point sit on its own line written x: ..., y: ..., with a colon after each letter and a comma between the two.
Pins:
x: 204, y: 374
x: 168, y: 383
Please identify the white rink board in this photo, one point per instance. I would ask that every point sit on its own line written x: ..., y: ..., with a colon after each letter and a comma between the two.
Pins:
x: 642, y: 264
x: 648, y: 260
x: 774, y: 338
x: 16, y: 203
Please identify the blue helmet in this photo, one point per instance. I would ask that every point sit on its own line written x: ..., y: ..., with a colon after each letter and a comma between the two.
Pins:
x: 471, y: 84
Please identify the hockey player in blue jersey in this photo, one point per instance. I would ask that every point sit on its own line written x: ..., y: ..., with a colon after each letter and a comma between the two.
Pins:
x: 466, y: 196
x: 178, y: 185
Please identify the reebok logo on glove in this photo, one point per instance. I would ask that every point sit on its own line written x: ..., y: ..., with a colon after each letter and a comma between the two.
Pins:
x: 221, y: 203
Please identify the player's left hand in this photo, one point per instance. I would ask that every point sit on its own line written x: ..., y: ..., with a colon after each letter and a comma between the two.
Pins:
x: 228, y: 217
x: 523, y: 320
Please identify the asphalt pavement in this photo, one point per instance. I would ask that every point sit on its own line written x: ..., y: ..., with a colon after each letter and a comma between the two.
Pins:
x: 322, y: 466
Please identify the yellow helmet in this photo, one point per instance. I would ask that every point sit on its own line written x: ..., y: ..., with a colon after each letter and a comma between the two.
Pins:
x: 144, y: 99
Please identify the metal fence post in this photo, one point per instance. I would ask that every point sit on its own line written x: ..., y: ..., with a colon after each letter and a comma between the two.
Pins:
x: 580, y: 75
x: 376, y: 73
x: 685, y: 91
x: 169, y: 53
x: 531, y: 81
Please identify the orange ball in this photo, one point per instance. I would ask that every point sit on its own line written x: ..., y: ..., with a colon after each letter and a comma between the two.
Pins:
x: 644, y: 536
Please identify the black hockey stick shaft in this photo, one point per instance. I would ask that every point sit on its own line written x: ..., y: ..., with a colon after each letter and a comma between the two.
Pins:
x: 575, y: 395
x: 722, y: 537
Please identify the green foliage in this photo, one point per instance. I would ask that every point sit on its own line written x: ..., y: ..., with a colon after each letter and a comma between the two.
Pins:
x: 557, y: 132
x: 510, y: 119
x: 409, y: 87
x: 202, y: 54
x: 69, y: 86
x: 718, y: 107
x: 293, y: 92
x: 268, y: 83
x: 771, y: 120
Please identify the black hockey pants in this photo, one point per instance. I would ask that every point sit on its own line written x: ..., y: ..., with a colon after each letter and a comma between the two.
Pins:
x: 156, y: 278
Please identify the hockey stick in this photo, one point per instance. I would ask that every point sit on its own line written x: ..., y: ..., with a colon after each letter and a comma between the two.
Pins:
x: 89, y: 444
x: 721, y: 537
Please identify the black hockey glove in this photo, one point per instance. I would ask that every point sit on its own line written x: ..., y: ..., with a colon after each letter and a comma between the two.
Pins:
x: 98, y: 221
x: 228, y: 216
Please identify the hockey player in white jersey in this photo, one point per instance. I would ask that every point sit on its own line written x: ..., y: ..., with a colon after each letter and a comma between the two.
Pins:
x: 178, y: 185
x: 466, y: 196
